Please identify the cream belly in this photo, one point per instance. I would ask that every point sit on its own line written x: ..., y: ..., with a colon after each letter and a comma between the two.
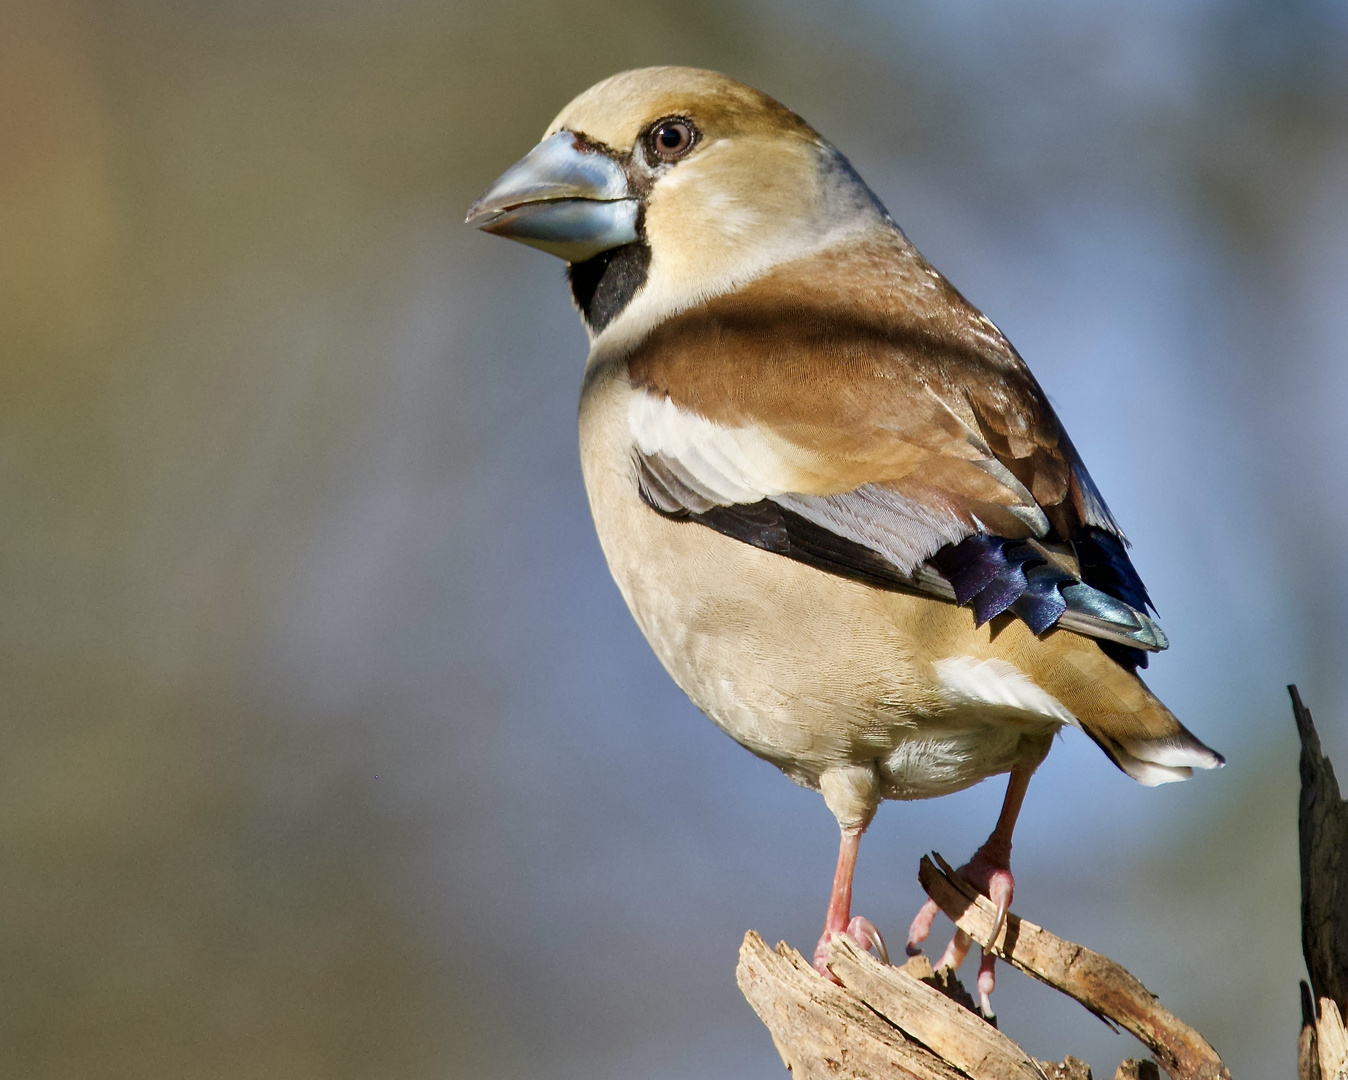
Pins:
x: 808, y: 670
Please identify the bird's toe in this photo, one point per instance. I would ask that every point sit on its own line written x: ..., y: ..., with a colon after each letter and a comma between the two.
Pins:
x: 987, y: 982
x: 920, y: 929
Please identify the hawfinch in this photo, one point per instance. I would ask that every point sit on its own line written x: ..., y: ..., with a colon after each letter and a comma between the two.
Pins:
x: 836, y: 501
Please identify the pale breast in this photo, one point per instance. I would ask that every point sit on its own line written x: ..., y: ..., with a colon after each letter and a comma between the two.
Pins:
x: 805, y: 669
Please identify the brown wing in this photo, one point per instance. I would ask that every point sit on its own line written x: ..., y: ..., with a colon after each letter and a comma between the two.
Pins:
x: 859, y: 392
x: 863, y: 366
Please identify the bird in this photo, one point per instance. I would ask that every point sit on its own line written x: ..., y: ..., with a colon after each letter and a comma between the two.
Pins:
x: 836, y: 501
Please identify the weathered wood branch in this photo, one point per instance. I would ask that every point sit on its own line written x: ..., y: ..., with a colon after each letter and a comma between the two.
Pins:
x: 825, y: 1031
x: 1104, y: 987
x: 1322, y: 827
x: 923, y: 1012
x: 878, y: 1021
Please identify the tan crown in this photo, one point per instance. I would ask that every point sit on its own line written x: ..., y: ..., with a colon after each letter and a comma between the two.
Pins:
x: 759, y: 188
x: 617, y: 110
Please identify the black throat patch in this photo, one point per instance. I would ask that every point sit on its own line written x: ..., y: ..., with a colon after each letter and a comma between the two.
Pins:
x: 604, y: 285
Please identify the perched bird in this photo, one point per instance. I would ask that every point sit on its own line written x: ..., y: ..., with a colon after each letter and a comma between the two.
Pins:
x: 836, y: 501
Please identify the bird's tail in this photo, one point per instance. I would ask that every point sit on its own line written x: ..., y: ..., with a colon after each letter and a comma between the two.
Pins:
x: 1126, y: 720
x: 1160, y: 759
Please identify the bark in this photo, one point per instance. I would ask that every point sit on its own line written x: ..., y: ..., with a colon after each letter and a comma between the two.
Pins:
x: 1322, y: 826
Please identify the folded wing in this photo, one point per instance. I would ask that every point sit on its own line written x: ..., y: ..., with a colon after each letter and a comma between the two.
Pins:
x: 863, y: 418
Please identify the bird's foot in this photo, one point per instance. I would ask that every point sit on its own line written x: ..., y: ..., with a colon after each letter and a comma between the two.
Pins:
x: 990, y: 873
x: 862, y: 931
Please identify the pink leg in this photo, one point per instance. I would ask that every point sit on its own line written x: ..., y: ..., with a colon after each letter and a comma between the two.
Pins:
x: 989, y: 871
x: 837, y: 920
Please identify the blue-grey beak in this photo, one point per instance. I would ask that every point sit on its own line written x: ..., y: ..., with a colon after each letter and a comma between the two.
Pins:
x: 571, y: 202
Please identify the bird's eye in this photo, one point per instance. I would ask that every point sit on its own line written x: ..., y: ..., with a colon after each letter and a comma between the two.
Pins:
x: 671, y: 139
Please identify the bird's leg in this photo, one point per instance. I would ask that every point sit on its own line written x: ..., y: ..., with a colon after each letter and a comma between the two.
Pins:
x: 989, y: 871
x: 838, y: 917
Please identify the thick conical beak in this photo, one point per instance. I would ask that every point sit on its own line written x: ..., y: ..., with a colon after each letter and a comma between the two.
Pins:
x: 571, y: 202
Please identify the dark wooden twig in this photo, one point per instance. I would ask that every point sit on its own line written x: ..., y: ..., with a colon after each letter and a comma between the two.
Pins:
x: 1322, y: 828
x: 1104, y: 987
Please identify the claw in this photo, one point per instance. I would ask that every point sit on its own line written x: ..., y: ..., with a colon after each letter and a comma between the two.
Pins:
x: 1000, y: 888
x: 864, y: 933
x: 1002, y: 904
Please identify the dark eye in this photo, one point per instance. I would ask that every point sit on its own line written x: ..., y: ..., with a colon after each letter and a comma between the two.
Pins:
x: 671, y: 139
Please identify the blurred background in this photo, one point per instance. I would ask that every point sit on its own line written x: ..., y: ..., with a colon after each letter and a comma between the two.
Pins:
x: 329, y: 749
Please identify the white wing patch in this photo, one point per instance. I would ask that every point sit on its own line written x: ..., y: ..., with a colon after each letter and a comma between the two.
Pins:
x: 702, y: 464
x: 724, y: 465
x: 966, y: 681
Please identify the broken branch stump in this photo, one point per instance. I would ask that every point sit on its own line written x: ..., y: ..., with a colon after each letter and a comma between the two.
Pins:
x: 1322, y: 829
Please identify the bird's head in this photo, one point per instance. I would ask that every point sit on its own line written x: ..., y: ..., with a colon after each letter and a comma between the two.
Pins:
x: 665, y: 186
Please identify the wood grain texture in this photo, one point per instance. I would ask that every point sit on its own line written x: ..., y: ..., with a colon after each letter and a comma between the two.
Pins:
x: 1331, y: 1042
x: 822, y: 1031
x: 1104, y: 987
x: 921, y: 1011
